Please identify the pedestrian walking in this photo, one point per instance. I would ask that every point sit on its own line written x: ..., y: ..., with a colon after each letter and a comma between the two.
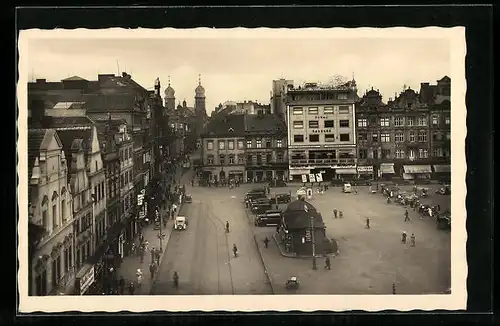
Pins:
x: 227, y: 226
x: 341, y: 215
x: 235, y: 251
x: 141, y: 238
x: 277, y: 229
x: 121, y: 285
x: 131, y: 288
x: 266, y: 242
x: 153, y: 254
x: 335, y: 212
x: 367, y: 223
x: 407, y: 218
x: 393, y: 288
x: 157, y: 257
x: 327, y: 263
x: 412, y: 239
x: 138, y: 276
x: 141, y: 253
x: 152, y: 270
x: 403, y: 237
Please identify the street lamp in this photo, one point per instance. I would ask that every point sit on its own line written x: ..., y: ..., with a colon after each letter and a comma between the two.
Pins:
x: 314, y: 267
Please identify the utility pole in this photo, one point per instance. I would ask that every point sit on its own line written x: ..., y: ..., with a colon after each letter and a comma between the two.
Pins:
x: 314, y: 267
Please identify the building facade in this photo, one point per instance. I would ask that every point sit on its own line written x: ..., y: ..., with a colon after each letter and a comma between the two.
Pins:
x: 50, y: 207
x: 321, y: 131
x: 279, y: 97
x: 265, y: 148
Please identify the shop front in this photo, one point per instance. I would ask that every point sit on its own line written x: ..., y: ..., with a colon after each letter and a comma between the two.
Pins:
x: 346, y: 173
x: 442, y: 172
x: 365, y: 172
x: 295, y: 175
x: 417, y: 172
x: 386, y: 171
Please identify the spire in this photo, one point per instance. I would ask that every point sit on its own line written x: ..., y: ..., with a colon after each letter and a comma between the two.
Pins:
x: 199, y: 79
x: 168, y: 80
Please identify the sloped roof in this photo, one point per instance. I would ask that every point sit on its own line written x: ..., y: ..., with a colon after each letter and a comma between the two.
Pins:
x: 220, y: 126
x: 295, y: 217
x: 69, y: 105
x: 264, y: 123
x: 298, y: 205
x: 68, y: 122
x: 35, y: 138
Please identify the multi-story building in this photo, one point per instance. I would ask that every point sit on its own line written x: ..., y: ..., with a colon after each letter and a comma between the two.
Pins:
x: 321, y: 130
x: 265, y: 148
x: 51, y: 252
x: 223, y: 148
x: 278, y: 96
x: 437, y: 98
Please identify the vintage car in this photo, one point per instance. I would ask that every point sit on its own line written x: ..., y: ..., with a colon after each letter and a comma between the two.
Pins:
x: 260, y: 206
x: 292, y: 283
x: 180, y: 223
x: 269, y: 217
x: 444, y: 221
x: 281, y: 198
x: 188, y: 199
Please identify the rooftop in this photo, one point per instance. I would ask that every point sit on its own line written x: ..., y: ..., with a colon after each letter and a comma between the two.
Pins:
x: 69, y: 105
x: 226, y: 125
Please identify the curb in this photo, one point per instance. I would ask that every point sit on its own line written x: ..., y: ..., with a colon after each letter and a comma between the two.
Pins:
x: 264, y: 264
x: 335, y: 254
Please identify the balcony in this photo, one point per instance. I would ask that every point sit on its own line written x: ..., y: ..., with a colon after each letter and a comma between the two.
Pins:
x: 322, y: 162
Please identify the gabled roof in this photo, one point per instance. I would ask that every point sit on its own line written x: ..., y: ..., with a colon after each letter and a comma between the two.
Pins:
x: 35, y: 138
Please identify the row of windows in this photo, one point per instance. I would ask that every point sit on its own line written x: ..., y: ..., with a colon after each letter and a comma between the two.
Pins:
x: 126, y: 154
x: 342, y: 109
x: 241, y: 145
x: 239, y: 159
x: 319, y: 97
x: 314, y: 124
x: 399, y: 137
x: 315, y: 138
x: 99, y: 192
x: 400, y: 121
x: 401, y: 153
x: 126, y: 178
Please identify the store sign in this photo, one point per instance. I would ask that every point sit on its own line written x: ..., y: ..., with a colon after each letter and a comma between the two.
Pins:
x: 319, y: 177
x: 304, y: 178
x: 312, y: 177
x: 365, y: 169
x: 344, y: 167
x: 308, y: 235
x: 86, y: 280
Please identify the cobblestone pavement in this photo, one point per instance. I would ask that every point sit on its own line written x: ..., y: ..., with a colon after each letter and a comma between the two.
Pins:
x: 202, y: 255
x: 370, y: 260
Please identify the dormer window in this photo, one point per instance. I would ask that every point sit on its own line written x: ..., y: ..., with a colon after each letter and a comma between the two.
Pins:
x: 231, y: 130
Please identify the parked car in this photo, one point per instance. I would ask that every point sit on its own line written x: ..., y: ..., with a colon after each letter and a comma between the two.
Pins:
x: 180, y: 223
x: 188, y: 199
x: 281, y: 198
x: 277, y: 183
x: 261, y: 206
x: 255, y: 193
x: 444, y: 221
x: 269, y: 217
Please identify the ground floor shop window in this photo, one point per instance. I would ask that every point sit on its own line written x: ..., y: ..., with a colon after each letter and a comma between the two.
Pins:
x: 41, y: 283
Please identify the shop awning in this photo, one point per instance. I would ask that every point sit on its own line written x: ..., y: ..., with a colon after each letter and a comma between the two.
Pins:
x: 414, y: 169
x: 442, y: 168
x: 346, y: 171
x: 387, y: 168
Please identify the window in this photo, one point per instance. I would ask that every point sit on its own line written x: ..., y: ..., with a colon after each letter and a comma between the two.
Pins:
x: 329, y: 138
x: 298, y: 124
x: 328, y: 110
x: 385, y: 138
x: 411, y: 154
x: 412, y: 137
x: 221, y: 144
x: 344, y: 137
x: 298, y: 138
x: 399, y: 121
x: 279, y: 143
x: 344, y: 123
x: 268, y: 144
x: 45, y: 220
x: 249, y: 158
x: 447, y: 120
x: 362, y: 153
x: 103, y: 191
x: 375, y: 138
x: 239, y: 159
x: 210, y: 145
x: 230, y: 144
x: 362, y: 122
x: 259, y: 143
x: 375, y: 154
x: 269, y: 158
x: 386, y: 153
x: 410, y: 121
x: 297, y: 111
x: 399, y: 137
x: 231, y: 159
x: 313, y: 124
x: 362, y: 137
x: 210, y: 159
x: 41, y: 283
x: 437, y: 152
x: 313, y: 138
x: 78, y: 258
x: 422, y: 136
x: 342, y: 96
x: 422, y: 153
x: 63, y: 210
x: 240, y: 144
x: 434, y: 120
x: 56, y: 271
x: 422, y: 121
x: 279, y: 157
x: 249, y: 144
x: 328, y: 123
x: 259, y: 159
x: 222, y: 159
x: 55, y: 221
x: 313, y: 110
x: 400, y: 153
x: 343, y: 109
x: 384, y: 122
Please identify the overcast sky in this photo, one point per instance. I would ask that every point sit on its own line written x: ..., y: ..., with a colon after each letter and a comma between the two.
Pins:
x: 243, y: 69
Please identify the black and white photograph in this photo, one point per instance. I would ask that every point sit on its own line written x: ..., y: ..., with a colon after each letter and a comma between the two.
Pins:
x: 242, y: 169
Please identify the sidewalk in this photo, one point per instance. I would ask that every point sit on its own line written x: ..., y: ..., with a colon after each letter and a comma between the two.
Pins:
x: 132, y: 263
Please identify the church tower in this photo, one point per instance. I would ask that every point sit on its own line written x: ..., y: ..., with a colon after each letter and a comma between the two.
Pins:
x: 169, y: 97
x: 199, y: 107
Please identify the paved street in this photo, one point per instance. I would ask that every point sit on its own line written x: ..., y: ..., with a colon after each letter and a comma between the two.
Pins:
x: 370, y: 260
x: 202, y: 255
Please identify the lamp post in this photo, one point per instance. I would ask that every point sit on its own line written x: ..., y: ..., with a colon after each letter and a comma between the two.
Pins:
x: 314, y: 267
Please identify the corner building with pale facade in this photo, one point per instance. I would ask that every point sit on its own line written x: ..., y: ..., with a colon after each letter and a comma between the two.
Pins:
x: 321, y: 130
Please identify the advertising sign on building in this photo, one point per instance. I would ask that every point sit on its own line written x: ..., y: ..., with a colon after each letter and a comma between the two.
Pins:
x: 304, y: 178
x: 319, y: 177
x: 365, y: 169
x: 85, y: 281
x: 312, y: 177
x: 308, y: 235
